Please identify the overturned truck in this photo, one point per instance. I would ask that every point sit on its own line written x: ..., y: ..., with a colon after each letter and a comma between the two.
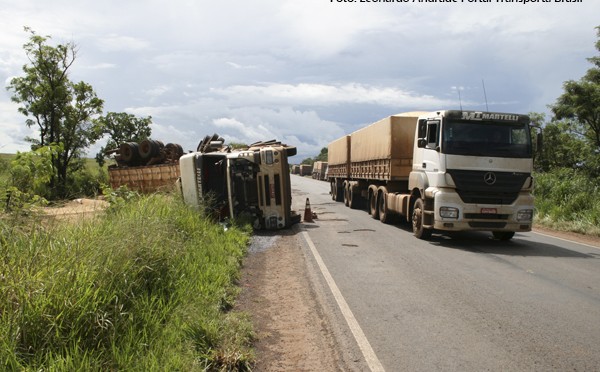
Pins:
x: 147, y: 166
x: 249, y: 183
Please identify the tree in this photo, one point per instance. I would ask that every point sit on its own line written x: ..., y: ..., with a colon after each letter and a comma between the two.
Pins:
x: 321, y: 157
x: 579, y: 105
x: 62, y: 111
x: 563, y: 148
x: 121, y: 127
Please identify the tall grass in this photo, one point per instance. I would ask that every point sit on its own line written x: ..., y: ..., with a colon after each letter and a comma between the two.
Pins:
x: 146, y: 287
x: 568, y: 200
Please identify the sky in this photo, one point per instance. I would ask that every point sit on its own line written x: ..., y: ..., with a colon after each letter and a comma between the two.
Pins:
x: 304, y: 72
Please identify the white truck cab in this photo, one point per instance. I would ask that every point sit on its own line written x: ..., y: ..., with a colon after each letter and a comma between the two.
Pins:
x: 473, y: 171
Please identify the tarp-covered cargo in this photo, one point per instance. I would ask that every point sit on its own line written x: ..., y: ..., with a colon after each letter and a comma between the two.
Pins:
x: 319, y: 169
x: 338, y: 157
x: 338, y: 151
x: 384, y: 150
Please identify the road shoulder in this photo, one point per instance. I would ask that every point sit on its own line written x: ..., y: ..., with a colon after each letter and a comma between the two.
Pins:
x: 291, y: 331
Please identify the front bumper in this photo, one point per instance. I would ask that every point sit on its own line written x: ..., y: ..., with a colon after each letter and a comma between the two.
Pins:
x: 480, y: 217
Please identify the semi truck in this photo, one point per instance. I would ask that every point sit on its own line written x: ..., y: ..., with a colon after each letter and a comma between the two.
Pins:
x: 306, y: 169
x: 319, y: 169
x: 251, y: 183
x: 447, y: 170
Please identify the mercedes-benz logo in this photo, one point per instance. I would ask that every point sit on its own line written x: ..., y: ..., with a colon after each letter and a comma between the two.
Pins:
x: 489, y: 178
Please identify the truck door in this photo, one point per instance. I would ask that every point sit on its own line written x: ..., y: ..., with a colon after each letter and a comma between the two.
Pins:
x: 427, y: 157
x: 431, y: 155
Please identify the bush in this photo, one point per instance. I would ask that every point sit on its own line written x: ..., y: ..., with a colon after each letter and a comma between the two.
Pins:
x: 567, y: 199
x: 86, y: 182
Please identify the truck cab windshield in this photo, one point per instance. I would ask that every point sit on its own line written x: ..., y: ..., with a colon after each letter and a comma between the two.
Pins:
x: 486, y: 138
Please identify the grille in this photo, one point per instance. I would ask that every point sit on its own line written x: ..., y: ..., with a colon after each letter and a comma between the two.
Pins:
x: 472, y: 188
x: 486, y: 216
x: 487, y: 225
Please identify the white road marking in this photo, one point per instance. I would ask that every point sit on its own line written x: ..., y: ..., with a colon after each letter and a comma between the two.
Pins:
x: 368, y: 353
x: 566, y: 240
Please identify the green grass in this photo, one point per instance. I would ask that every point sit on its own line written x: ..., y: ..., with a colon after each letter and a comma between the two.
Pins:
x: 147, y: 287
x: 5, y: 160
x: 568, y: 200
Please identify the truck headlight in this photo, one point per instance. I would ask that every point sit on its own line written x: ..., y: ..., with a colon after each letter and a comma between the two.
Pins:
x: 449, y: 212
x: 525, y: 215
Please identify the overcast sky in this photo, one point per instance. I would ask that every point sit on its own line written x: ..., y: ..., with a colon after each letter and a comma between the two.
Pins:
x: 301, y: 71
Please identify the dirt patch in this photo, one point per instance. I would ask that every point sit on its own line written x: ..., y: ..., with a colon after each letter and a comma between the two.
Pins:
x: 291, y: 332
x: 76, y: 210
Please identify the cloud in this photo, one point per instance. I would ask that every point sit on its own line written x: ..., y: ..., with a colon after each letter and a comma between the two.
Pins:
x: 302, y: 128
x: 238, y: 66
x: 157, y: 91
x: 13, y: 129
x: 120, y: 43
x: 325, y: 94
x: 101, y: 66
x: 304, y: 72
x: 315, y: 29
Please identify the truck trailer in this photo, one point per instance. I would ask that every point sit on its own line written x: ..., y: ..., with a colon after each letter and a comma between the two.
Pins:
x: 448, y: 170
x: 146, y: 167
x: 249, y: 183
x: 319, y: 169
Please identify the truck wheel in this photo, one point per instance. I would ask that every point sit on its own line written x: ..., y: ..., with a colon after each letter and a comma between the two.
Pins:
x: 503, y: 235
x: 337, y: 193
x: 384, y: 213
x: 333, y: 190
x: 150, y: 148
x: 130, y: 154
x: 373, y: 208
x: 355, y: 200
x: 346, y: 194
x: 418, y: 217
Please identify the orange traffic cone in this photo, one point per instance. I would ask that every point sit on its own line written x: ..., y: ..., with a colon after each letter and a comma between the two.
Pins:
x: 307, y: 212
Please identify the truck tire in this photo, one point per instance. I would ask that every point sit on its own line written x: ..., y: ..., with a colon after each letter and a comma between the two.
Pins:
x: 373, y: 207
x: 384, y: 213
x: 337, y: 193
x: 150, y: 148
x: 333, y: 190
x: 355, y: 200
x: 173, y: 151
x: 129, y: 152
x: 503, y: 235
x: 346, y: 194
x: 418, y: 217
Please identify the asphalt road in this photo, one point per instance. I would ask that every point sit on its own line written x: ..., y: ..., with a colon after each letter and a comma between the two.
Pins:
x: 462, y: 303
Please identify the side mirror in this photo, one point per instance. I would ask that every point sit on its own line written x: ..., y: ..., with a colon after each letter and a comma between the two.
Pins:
x: 291, y: 151
x: 540, y: 142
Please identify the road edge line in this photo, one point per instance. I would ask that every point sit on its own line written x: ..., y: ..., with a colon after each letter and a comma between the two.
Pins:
x: 566, y: 240
x: 364, y: 345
